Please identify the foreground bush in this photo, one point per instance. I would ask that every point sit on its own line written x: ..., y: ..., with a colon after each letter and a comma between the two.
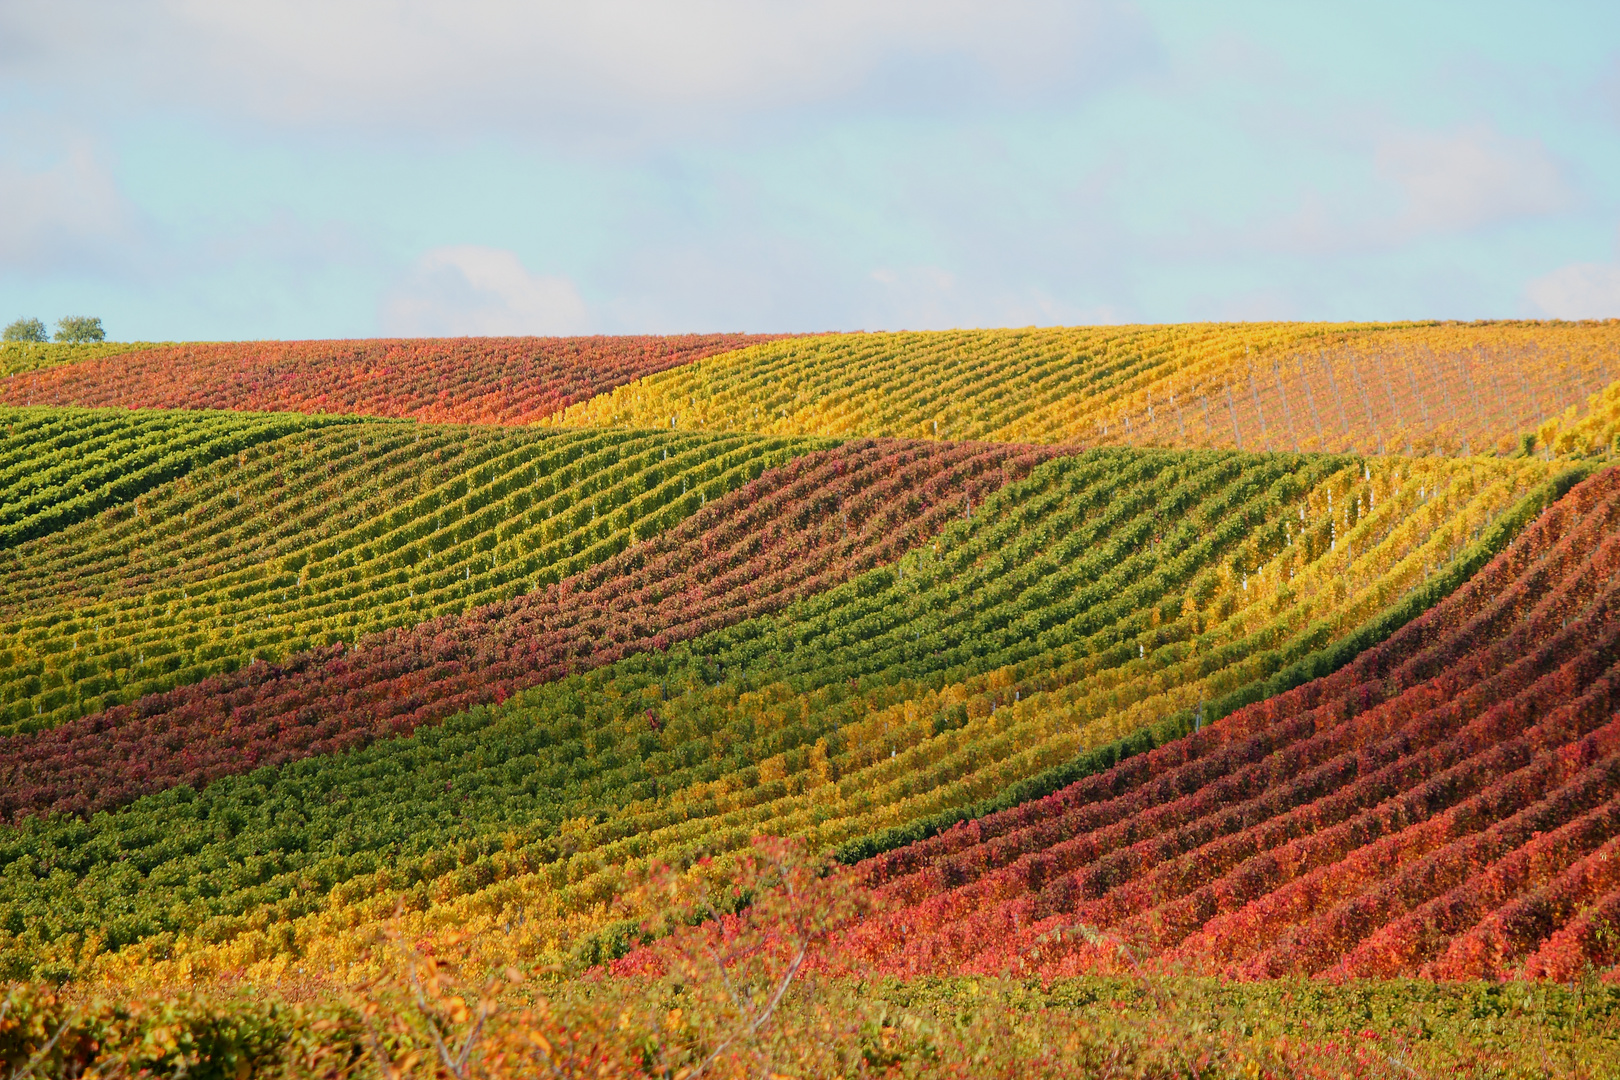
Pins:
x: 734, y: 995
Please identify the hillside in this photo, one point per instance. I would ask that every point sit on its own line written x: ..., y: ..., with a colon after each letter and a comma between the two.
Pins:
x: 915, y: 688
x: 20, y: 356
x: 1443, y: 806
x: 1176, y: 666
x: 1405, y: 389
x: 748, y: 552
x: 315, y: 537
x: 459, y: 380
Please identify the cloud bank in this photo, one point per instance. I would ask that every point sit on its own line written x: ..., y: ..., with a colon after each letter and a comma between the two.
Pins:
x: 219, y: 168
x: 1579, y: 291
x: 636, y: 66
x: 66, y: 213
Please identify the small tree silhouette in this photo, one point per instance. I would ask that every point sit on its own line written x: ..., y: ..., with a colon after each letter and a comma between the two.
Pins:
x: 25, y: 330
x: 79, y: 328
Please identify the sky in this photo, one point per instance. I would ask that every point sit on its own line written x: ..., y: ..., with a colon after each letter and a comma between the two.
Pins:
x: 226, y: 170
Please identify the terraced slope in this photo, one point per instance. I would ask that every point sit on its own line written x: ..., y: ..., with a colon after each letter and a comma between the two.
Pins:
x: 1446, y: 805
x: 456, y: 380
x: 793, y: 531
x: 1093, y: 597
x: 58, y: 467
x: 321, y: 536
x: 1448, y: 388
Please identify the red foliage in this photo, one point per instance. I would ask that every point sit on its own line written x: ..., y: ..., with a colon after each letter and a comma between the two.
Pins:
x: 1359, y: 825
x: 448, y: 380
x: 1592, y: 939
x: 796, y: 530
x: 1500, y: 940
x: 1404, y: 943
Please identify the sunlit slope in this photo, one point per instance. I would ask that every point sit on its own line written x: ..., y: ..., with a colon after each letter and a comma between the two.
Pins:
x: 322, y: 535
x: 1098, y: 595
x: 19, y: 356
x: 1451, y: 388
x: 1593, y: 430
x: 58, y: 467
x: 1446, y: 806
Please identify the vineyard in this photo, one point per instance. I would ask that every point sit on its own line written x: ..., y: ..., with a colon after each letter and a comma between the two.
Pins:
x: 64, y: 466
x: 1373, y: 390
x: 747, y: 553
x: 792, y: 724
x: 323, y: 535
x: 1148, y: 662
x: 20, y: 356
x: 469, y: 380
x: 1428, y: 809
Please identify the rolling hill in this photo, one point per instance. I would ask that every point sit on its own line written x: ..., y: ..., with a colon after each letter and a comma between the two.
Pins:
x: 1269, y: 658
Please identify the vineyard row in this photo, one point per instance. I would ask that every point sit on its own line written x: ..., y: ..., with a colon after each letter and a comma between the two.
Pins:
x: 1066, y: 609
x: 1441, y: 806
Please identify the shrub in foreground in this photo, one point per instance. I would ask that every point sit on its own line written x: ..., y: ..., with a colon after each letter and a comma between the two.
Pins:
x: 737, y: 995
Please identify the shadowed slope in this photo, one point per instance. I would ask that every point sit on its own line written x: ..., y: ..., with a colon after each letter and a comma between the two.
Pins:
x: 1368, y: 823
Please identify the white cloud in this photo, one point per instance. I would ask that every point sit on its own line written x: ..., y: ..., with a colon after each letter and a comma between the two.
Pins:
x: 468, y: 289
x: 1578, y: 291
x: 65, y: 214
x: 1434, y: 183
x: 556, y: 63
x: 1464, y: 179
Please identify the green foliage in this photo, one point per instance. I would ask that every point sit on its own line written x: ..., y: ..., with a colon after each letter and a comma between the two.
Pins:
x: 60, y: 466
x: 489, y: 794
x: 1320, y: 662
x: 24, y: 356
x: 24, y: 330
x: 493, y: 1024
x: 45, y: 1032
x: 79, y: 329
x: 314, y: 532
x: 1302, y: 1027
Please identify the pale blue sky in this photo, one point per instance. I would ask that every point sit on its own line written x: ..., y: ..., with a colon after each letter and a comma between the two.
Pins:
x: 210, y: 169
